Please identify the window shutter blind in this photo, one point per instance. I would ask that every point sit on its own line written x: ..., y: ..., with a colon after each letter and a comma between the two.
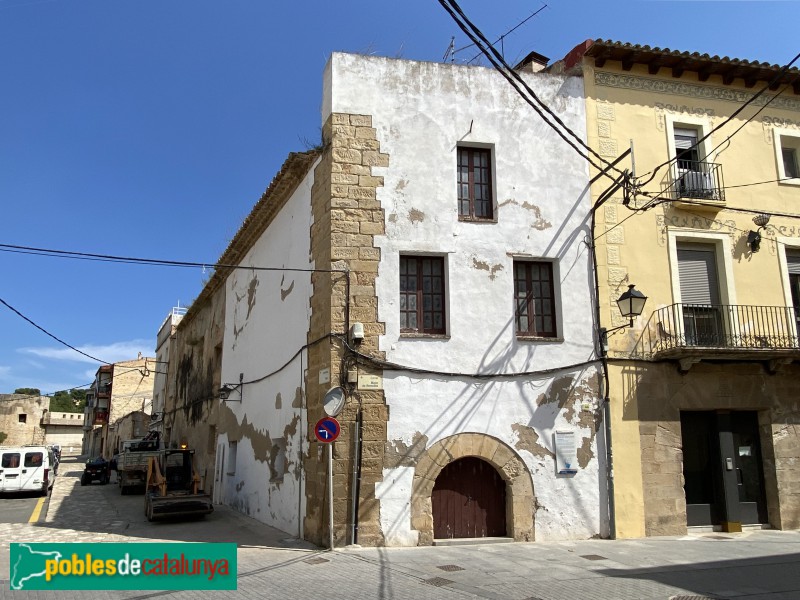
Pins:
x: 685, y: 138
x: 697, y: 270
x: 793, y: 262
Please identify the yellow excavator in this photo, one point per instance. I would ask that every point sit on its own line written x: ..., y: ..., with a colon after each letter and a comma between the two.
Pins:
x: 173, y: 487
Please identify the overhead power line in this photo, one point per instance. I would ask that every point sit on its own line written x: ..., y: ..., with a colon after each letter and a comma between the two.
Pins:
x: 733, y: 115
x: 519, y: 84
x: 148, y: 261
x: 59, y: 340
x: 506, y: 34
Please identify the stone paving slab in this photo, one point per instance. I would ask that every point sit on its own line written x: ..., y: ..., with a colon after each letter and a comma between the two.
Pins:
x: 759, y: 565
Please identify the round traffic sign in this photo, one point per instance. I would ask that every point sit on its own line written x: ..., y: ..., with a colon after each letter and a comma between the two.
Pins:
x: 327, y: 430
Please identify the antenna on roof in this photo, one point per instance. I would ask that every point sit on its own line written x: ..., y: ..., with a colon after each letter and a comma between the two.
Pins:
x: 502, y: 38
x: 451, y: 50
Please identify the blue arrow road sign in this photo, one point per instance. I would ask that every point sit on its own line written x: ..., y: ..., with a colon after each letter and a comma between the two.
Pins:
x: 327, y: 430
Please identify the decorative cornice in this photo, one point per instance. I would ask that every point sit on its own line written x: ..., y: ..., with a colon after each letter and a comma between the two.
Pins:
x: 683, y: 88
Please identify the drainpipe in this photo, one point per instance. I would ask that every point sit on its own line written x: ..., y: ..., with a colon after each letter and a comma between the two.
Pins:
x: 356, y: 487
x: 604, y: 390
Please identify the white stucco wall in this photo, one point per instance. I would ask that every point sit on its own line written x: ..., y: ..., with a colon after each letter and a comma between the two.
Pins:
x: 266, y: 323
x: 421, y: 111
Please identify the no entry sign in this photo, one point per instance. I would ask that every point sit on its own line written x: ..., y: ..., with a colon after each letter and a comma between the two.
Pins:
x: 327, y: 430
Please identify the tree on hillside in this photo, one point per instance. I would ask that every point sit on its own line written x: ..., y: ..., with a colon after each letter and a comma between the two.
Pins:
x: 68, y: 401
x: 28, y: 391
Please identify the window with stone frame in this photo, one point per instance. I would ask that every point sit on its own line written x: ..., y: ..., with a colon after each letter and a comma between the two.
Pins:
x: 787, y: 149
x: 422, y: 295
x: 534, y: 299
x: 475, y: 200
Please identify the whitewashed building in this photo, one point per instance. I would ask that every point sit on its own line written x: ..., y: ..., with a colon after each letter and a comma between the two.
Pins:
x: 446, y: 218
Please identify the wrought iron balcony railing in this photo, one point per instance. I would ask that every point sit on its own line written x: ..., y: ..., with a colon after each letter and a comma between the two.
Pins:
x: 722, y: 327
x: 696, y: 180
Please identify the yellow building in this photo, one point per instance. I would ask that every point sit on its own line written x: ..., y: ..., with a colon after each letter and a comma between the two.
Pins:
x: 704, y: 386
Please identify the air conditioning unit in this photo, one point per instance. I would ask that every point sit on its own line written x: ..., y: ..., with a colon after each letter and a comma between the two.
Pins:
x: 694, y: 184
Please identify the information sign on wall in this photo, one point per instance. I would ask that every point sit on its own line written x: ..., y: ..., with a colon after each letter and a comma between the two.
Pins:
x: 370, y: 382
x: 566, y: 456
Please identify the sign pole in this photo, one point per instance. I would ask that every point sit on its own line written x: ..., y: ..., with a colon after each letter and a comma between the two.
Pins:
x: 330, y: 495
x: 326, y: 431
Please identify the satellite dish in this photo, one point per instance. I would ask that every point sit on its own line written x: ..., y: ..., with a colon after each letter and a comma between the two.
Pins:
x: 333, y: 402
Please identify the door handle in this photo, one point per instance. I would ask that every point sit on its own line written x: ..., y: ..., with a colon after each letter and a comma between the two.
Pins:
x: 24, y: 470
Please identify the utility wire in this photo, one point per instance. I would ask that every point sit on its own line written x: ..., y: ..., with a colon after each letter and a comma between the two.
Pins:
x: 741, y: 185
x: 506, y: 34
x: 150, y: 261
x: 392, y: 366
x: 514, y: 78
x: 774, y: 80
x: 59, y: 340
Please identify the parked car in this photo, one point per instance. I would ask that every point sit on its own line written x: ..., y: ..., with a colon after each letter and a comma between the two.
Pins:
x: 96, y: 470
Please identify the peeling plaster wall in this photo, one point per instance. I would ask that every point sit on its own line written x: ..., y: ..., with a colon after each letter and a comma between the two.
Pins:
x: 191, y: 399
x: 420, y: 112
x: 266, y: 323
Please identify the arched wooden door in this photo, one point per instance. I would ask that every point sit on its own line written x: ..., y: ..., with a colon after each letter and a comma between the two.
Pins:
x: 469, y: 500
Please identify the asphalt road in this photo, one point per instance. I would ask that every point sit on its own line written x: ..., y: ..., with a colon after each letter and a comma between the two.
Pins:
x: 20, y: 507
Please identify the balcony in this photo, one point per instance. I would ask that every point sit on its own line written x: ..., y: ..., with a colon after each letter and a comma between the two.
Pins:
x: 694, y: 332
x: 696, y: 183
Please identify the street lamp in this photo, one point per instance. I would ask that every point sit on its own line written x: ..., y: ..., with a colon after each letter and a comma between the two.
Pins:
x: 754, y: 237
x: 227, y: 388
x: 631, y: 304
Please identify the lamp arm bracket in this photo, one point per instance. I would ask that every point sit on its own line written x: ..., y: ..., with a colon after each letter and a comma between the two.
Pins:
x: 604, y: 332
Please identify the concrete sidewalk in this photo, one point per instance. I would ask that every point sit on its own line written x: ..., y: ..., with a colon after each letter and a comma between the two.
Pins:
x: 755, y: 565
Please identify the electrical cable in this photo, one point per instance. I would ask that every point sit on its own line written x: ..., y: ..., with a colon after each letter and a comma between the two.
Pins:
x: 290, y: 361
x: 392, y: 366
x: 741, y: 185
x: 59, y: 340
x: 506, y: 34
x: 154, y: 261
x: 772, y: 82
x: 514, y: 78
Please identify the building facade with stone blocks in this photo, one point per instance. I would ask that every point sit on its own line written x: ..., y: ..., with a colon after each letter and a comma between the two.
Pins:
x: 463, y: 218
x: 447, y: 222
x: 118, y: 389
x: 21, y: 419
x: 190, y: 388
x: 704, y: 386
x: 133, y: 426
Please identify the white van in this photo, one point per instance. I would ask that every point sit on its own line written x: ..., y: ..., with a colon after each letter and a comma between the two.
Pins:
x: 26, y: 469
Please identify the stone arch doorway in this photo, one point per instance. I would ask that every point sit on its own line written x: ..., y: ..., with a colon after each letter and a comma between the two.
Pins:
x: 520, y: 502
x: 469, y: 501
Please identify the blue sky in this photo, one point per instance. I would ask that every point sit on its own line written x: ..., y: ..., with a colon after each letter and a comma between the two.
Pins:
x: 149, y: 128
